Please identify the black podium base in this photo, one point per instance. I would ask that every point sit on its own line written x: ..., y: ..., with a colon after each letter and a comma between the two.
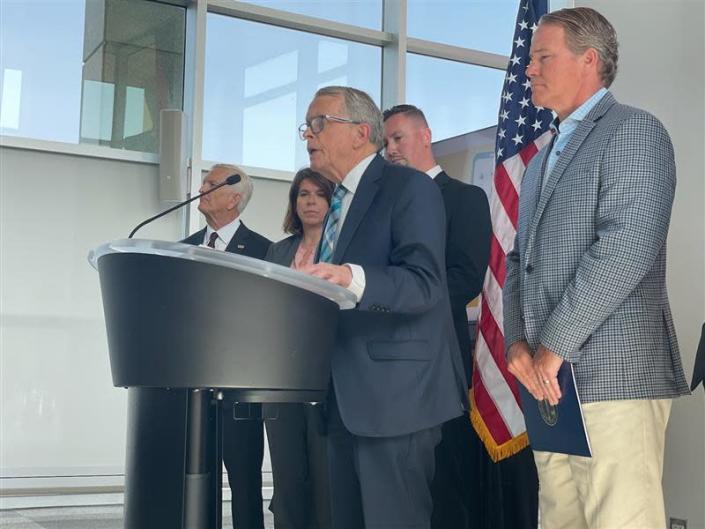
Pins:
x: 160, y: 488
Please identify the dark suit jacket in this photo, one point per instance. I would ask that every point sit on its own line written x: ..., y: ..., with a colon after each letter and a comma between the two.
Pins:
x: 396, y: 364
x: 699, y: 366
x: 468, y: 232
x: 283, y: 252
x: 244, y: 242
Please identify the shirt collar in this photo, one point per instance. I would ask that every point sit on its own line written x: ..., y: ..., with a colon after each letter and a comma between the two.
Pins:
x: 434, y: 171
x: 352, y: 179
x: 579, y: 113
x: 225, y: 233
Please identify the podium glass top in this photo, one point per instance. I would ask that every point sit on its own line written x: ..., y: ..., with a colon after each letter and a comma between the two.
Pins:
x: 343, y: 297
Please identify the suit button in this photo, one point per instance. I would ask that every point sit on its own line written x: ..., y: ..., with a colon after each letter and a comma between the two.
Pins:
x: 529, y: 269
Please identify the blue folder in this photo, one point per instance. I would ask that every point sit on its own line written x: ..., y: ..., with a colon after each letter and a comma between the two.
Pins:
x: 557, y: 428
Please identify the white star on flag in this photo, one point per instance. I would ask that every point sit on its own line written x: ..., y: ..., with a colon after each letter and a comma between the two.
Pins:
x: 519, y: 42
x: 517, y: 139
x: 515, y: 60
x: 504, y: 115
x: 524, y: 102
x: 523, y: 24
x: 521, y: 121
x: 536, y: 125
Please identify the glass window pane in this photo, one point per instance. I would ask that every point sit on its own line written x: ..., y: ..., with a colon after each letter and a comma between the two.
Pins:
x: 486, y: 25
x: 137, y: 48
x: 96, y: 71
x: 41, y: 57
x: 365, y: 13
x: 456, y: 97
x: 257, y: 93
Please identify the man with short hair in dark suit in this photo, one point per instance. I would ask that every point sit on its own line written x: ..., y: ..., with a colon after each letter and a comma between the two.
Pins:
x: 469, y: 490
x: 396, y: 368
x: 243, y: 440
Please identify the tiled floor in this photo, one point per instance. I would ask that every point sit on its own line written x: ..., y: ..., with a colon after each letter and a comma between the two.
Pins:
x: 96, y: 517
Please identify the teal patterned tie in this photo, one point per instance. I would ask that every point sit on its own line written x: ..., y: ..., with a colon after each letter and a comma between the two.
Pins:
x: 330, y: 233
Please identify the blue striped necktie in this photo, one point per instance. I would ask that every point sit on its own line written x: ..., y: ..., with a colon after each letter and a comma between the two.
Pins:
x: 330, y: 233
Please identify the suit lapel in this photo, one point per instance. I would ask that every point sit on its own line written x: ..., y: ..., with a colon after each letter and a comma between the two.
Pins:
x: 579, y: 136
x: 531, y: 187
x: 238, y: 244
x: 365, y: 193
x: 442, y: 179
x: 196, y: 238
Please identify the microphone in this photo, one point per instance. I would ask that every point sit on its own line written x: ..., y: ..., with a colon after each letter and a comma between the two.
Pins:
x: 230, y: 180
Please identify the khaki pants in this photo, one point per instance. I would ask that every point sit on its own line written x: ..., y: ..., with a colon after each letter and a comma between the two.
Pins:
x: 620, y: 486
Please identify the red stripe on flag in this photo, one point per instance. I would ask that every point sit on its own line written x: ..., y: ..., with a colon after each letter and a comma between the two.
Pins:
x: 490, y: 414
x: 507, y: 193
x: 528, y: 152
x: 497, y: 261
x: 495, y: 341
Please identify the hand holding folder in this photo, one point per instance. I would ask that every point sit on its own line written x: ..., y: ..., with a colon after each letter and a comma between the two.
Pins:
x: 559, y: 428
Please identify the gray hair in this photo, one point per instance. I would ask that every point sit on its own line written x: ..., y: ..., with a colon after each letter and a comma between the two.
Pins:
x: 586, y: 28
x: 359, y: 107
x: 243, y: 187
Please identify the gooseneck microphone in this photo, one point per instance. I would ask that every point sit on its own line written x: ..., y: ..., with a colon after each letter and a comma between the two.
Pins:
x: 230, y: 180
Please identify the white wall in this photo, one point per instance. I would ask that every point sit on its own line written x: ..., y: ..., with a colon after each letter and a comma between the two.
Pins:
x: 61, y: 417
x: 60, y: 414
x: 662, y: 50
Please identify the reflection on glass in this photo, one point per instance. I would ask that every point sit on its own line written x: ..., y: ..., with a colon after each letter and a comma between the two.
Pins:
x: 97, y: 111
x: 259, y: 78
x: 43, y: 43
x: 137, y: 117
x: 331, y: 55
x: 90, y: 71
x: 262, y: 138
x: 486, y: 25
x: 138, y: 48
x: 456, y: 97
x: 11, y: 99
x: 256, y: 96
x: 365, y: 13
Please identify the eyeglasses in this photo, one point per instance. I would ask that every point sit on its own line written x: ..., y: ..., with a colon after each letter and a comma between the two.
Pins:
x: 317, y: 124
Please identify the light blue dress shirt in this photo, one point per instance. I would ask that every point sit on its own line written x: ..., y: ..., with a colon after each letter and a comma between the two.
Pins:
x: 565, y: 129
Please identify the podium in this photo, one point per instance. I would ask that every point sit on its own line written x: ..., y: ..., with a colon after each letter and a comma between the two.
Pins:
x: 185, y: 323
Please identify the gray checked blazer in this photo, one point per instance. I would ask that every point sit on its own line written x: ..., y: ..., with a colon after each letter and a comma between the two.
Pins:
x: 586, y: 277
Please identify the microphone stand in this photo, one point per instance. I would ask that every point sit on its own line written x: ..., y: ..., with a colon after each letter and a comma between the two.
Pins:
x: 233, y: 179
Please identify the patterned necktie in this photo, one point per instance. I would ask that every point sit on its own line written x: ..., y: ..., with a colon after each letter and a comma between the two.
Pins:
x: 211, y: 241
x: 330, y: 233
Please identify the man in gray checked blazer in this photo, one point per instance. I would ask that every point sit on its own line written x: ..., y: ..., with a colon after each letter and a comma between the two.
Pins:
x: 585, y: 281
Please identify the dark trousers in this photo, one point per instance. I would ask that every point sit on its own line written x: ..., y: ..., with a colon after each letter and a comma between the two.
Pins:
x: 470, y: 491
x: 380, y: 482
x: 243, y: 450
x: 297, y: 447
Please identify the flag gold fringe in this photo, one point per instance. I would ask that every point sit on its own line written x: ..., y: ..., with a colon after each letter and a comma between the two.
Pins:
x: 496, y: 452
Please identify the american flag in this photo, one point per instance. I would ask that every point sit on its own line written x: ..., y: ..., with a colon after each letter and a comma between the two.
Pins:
x: 522, y: 130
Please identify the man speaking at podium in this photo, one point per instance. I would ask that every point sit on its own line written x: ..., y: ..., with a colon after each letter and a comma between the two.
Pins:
x: 396, y: 368
x: 243, y: 440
